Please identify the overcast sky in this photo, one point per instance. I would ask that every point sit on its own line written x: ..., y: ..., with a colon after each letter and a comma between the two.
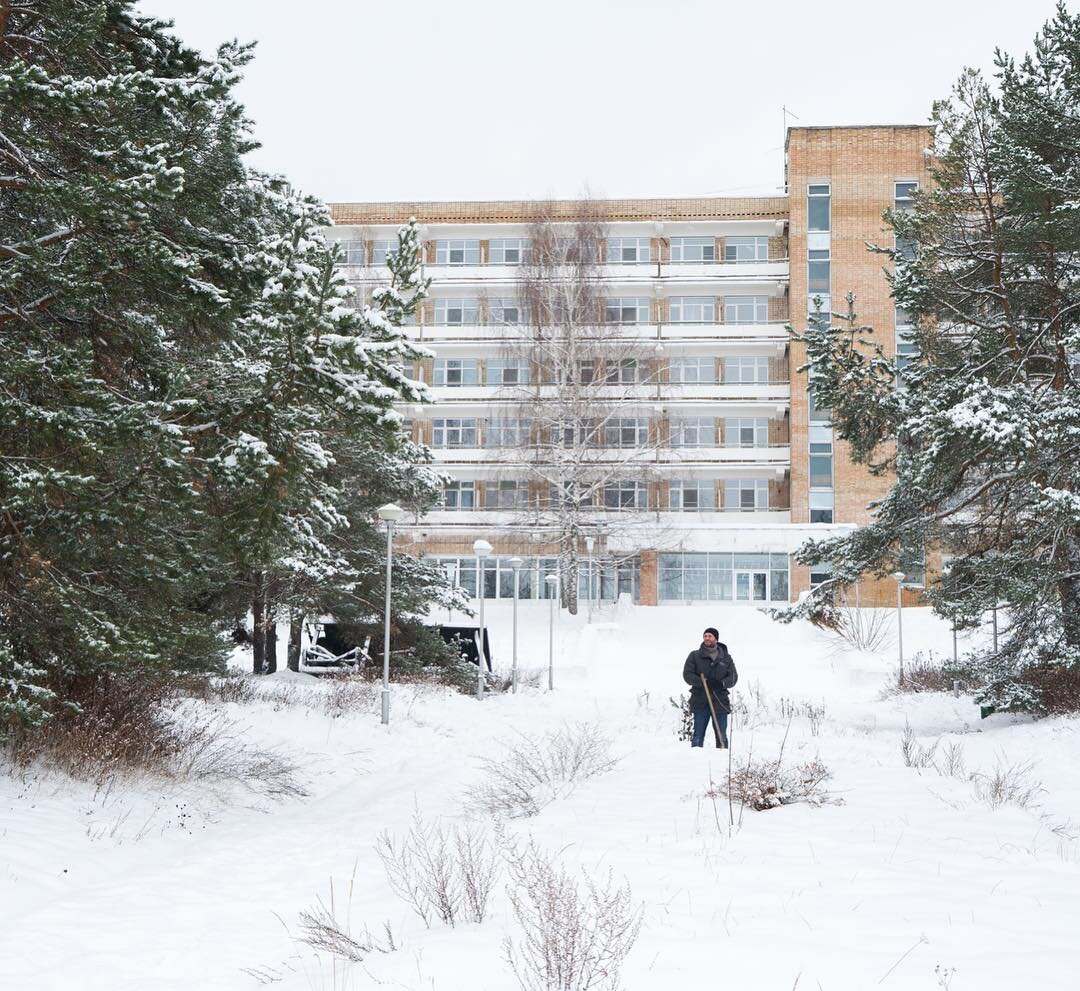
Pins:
x: 490, y: 99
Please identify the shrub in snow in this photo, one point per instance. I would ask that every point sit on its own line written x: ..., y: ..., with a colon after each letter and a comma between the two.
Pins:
x: 768, y: 784
x: 814, y: 714
x: 913, y: 752
x: 536, y: 771
x: 684, y: 729
x: 328, y: 929
x: 1008, y: 784
x: 443, y: 873
x: 575, y: 935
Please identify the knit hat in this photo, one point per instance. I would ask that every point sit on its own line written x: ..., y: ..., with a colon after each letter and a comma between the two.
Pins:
x: 713, y: 630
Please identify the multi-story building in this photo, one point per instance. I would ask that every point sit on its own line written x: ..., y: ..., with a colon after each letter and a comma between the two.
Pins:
x: 738, y: 467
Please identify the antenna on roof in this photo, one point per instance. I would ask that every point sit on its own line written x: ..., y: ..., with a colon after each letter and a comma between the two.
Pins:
x: 787, y: 113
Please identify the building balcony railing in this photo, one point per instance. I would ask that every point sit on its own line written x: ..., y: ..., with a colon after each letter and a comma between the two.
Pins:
x: 776, y: 457
x: 609, y: 335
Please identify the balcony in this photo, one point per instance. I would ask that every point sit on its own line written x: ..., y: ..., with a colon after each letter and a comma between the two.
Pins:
x: 727, y: 460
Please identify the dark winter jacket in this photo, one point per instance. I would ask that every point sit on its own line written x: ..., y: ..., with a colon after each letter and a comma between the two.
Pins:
x: 719, y: 671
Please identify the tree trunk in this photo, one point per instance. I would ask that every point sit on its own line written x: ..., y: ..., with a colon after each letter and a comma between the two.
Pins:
x: 271, y: 638
x: 258, y: 617
x: 296, y: 628
x: 1069, y: 590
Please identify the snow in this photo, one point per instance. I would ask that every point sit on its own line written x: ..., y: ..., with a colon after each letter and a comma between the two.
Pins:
x: 171, y: 886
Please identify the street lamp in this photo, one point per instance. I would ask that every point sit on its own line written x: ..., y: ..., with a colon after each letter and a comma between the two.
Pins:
x: 899, y: 577
x: 589, y: 542
x: 389, y: 514
x: 552, y: 582
x: 481, y: 548
x: 515, y: 563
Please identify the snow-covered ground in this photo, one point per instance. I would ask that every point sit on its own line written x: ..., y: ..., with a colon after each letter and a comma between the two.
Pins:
x: 909, y: 880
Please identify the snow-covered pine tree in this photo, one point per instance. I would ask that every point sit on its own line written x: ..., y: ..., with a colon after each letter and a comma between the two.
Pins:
x: 139, y: 261
x: 307, y: 382
x: 121, y: 188
x: 983, y: 428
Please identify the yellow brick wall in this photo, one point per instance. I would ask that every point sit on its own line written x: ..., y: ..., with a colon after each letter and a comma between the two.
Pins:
x: 861, y: 164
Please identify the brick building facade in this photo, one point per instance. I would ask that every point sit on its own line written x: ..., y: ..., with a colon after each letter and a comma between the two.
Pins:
x: 736, y: 466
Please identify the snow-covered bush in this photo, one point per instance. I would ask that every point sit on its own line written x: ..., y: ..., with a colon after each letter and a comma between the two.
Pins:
x: 575, y: 935
x: 537, y: 770
x: 767, y: 784
x: 328, y: 928
x: 684, y: 728
x: 1007, y: 784
x: 442, y: 873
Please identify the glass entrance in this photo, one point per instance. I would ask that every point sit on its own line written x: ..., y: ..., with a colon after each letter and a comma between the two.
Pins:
x: 751, y: 586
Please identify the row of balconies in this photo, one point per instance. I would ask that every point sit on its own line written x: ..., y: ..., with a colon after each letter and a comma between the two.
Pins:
x: 499, y: 458
x: 766, y: 492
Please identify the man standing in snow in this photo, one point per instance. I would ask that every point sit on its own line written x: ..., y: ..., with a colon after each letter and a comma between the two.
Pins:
x: 712, y: 660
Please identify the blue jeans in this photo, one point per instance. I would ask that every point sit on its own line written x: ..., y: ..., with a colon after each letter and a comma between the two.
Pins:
x: 701, y: 723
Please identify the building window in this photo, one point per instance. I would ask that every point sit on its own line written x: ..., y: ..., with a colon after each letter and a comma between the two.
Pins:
x: 507, y: 371
x: 746, y: 249
x: 351, y: 253
x: 507, y: 432
x: 904, y: 202
x: 506, y: 495
x: 746, y: 495
x: 454, y: 372
x: 693, y: 431
x: 818, y: 271
x: 907, y: 350
x: 746, y: 431
x: 457, y: 432
x: 821, y: 466
x: 626, y: 431
x: 913, y: 562
x: 380, y: 249
x: 692, y: 371
x: 626, y: 309
x: 819, y: 574
x: 457, y: 252
x: 693, y: 249
x: 817, y: 412
x: 904, y: 195
x: 505, y: 310
x: 459, y: 496
x: 626, y: 250
x: 746, y: 369
x: 723, y: 577
x: 818, y: 198
x: 821, y: 506
x: 626, y: 371
x: 626, y: 495
x: 454, y: 312
x: 692, y: 309
x: 746, y: 309
x: 691, y: 496
x: 508, y: 251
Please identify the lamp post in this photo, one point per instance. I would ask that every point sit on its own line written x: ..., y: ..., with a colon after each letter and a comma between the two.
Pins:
x: 552, y: 582
x: 589, y: 542
x: 515, y: 563
x: 899, y: 577
x: 389, y: 514
x: 481, y: 548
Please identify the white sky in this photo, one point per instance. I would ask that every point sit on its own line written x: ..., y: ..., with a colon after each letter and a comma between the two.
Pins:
x: 490, y: 99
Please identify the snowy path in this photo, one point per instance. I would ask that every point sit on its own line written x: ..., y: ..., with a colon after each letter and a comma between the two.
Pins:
x: 910, y: 872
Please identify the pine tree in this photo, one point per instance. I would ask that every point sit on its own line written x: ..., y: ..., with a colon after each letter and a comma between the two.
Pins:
x: 982, y: 429
x: 179, y: 373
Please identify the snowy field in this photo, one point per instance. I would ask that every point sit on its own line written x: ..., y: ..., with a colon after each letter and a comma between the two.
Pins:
x: 907, y: 878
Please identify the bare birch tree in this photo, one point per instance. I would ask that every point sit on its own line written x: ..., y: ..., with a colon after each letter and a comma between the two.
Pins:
x: 580, y: 446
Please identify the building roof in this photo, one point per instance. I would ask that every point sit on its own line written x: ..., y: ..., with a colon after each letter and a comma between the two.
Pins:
x: 524, y: 211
